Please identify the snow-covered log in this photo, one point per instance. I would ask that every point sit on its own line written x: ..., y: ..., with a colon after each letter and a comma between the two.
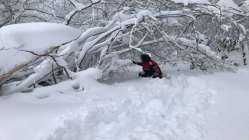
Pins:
x: 21, y: 39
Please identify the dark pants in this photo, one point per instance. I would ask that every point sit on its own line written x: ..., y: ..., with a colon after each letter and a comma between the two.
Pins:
x: 148, y: 74
x: 142, y: 74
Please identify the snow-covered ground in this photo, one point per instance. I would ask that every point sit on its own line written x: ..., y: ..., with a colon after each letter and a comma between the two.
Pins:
x: 206, y: 107
x: 228, y: 118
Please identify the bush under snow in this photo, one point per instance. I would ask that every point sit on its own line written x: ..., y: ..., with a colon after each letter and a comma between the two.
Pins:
x: 36, y: 37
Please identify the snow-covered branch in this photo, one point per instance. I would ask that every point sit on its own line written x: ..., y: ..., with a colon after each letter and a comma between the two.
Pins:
x: 191, y: 34
x: 78, y: 7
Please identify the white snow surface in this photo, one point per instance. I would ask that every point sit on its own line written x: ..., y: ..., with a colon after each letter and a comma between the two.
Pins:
x: 191, y: 107
x: 37, y: 37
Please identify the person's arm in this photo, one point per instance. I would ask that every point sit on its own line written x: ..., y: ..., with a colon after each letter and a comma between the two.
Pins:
x: 137, y: 63
x: 157, y: 71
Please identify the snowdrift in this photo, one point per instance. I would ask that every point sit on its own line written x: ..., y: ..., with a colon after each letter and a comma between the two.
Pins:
x: 36, y: 37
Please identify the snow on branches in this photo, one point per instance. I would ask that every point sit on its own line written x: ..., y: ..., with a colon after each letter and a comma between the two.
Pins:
x: 192, y: 34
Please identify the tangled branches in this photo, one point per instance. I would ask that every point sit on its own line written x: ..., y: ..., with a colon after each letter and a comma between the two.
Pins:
x: 190, y: 35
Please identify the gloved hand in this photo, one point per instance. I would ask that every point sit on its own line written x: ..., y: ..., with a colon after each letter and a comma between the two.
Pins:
x: 134, y: 62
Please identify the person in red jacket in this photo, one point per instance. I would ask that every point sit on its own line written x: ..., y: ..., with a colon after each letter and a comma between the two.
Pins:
x: 150, y: 67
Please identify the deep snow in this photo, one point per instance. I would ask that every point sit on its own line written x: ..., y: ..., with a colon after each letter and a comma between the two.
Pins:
x: 138, y: 109
x: 36, y: 37
x: 228, y: 118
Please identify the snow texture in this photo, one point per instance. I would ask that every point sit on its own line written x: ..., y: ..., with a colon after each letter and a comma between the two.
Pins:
x: 186, y: 2
x: 245, y: 6
x: 37, y: 37
x: 144, y: 109
x: 86, y: 109
x: 227, y: 4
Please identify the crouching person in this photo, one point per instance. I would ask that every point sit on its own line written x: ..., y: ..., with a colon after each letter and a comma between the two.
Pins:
x: 150, y: 67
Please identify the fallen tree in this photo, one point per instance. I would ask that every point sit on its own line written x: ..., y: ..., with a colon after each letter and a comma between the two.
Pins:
x: 170, y: 36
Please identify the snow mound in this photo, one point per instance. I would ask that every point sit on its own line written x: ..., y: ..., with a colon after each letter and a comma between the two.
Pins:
x: 37, y: 37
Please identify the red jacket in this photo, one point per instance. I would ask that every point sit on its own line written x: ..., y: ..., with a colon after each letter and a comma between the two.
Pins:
x: 151, y: 67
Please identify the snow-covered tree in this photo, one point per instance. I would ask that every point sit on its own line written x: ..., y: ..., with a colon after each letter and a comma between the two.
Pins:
x: 202, y: 35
